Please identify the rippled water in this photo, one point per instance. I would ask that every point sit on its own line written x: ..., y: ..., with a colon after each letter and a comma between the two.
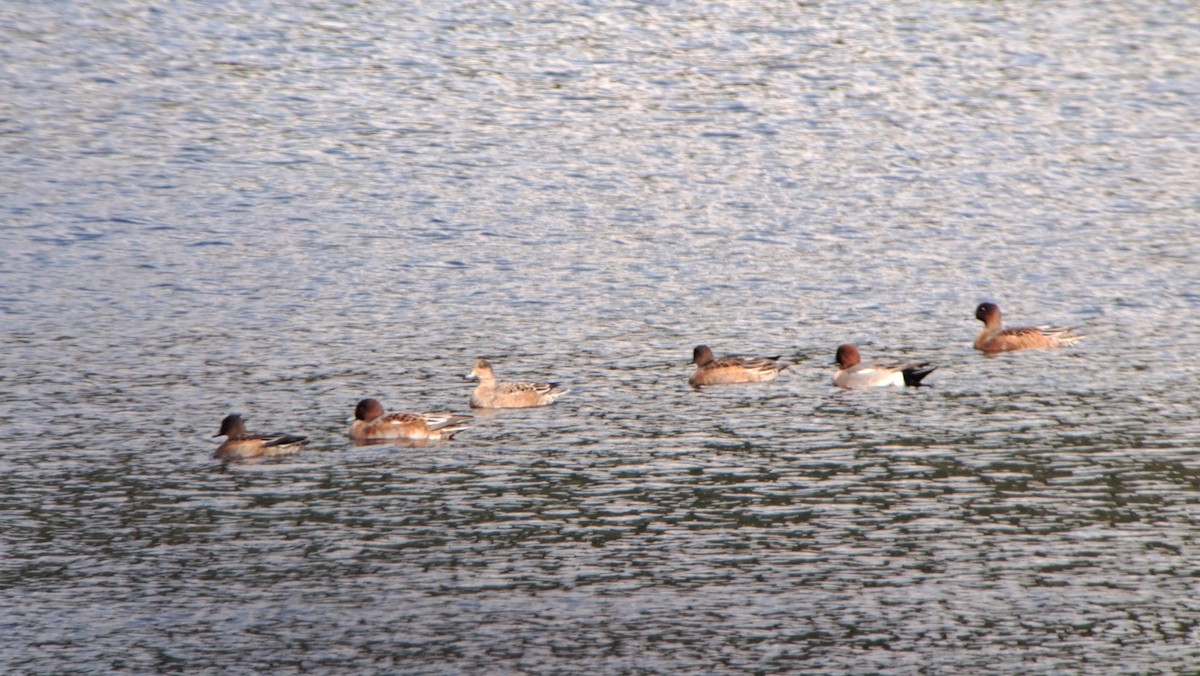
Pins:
x: 279, y: 209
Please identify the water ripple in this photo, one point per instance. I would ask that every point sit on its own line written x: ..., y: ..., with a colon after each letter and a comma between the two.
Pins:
x: 279, y: 210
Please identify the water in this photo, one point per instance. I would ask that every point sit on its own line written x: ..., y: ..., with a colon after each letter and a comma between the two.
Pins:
x: 279, y: 209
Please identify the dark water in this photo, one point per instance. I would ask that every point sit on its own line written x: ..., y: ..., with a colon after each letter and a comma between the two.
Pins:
x: 278, y: 209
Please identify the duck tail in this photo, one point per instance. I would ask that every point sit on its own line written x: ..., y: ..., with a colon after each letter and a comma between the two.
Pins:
x: 914, y: 373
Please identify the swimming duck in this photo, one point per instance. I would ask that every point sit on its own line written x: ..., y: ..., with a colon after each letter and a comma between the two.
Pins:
x: 995, y: 338
x: 240, y: 444
x: 853, y: 374
x: 731, y: 369
x: 492, y: 394
x: 372, y: 423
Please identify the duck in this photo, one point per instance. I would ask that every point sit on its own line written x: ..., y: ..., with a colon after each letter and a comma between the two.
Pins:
x: 731, y: 369
x: 240, y: 444
x: 372, y: 423
x: 995, y: 338
x: 853, y: 374
x: 506, y: 394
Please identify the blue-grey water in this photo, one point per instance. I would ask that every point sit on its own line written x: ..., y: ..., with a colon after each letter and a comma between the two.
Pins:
x: 279, y: 208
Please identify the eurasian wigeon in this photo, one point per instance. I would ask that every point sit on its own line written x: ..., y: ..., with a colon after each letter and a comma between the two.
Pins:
x: 240, y: 444
x: 372, y: 423
x: 731, y: 369
x: 492, y: 394
x: 995, y: 338
x: 852, y: 374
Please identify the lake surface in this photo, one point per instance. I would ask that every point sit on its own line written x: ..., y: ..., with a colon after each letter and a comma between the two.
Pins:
x: 280, y: 208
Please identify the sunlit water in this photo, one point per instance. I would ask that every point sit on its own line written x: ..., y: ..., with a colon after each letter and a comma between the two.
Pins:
x: 279, y: 209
